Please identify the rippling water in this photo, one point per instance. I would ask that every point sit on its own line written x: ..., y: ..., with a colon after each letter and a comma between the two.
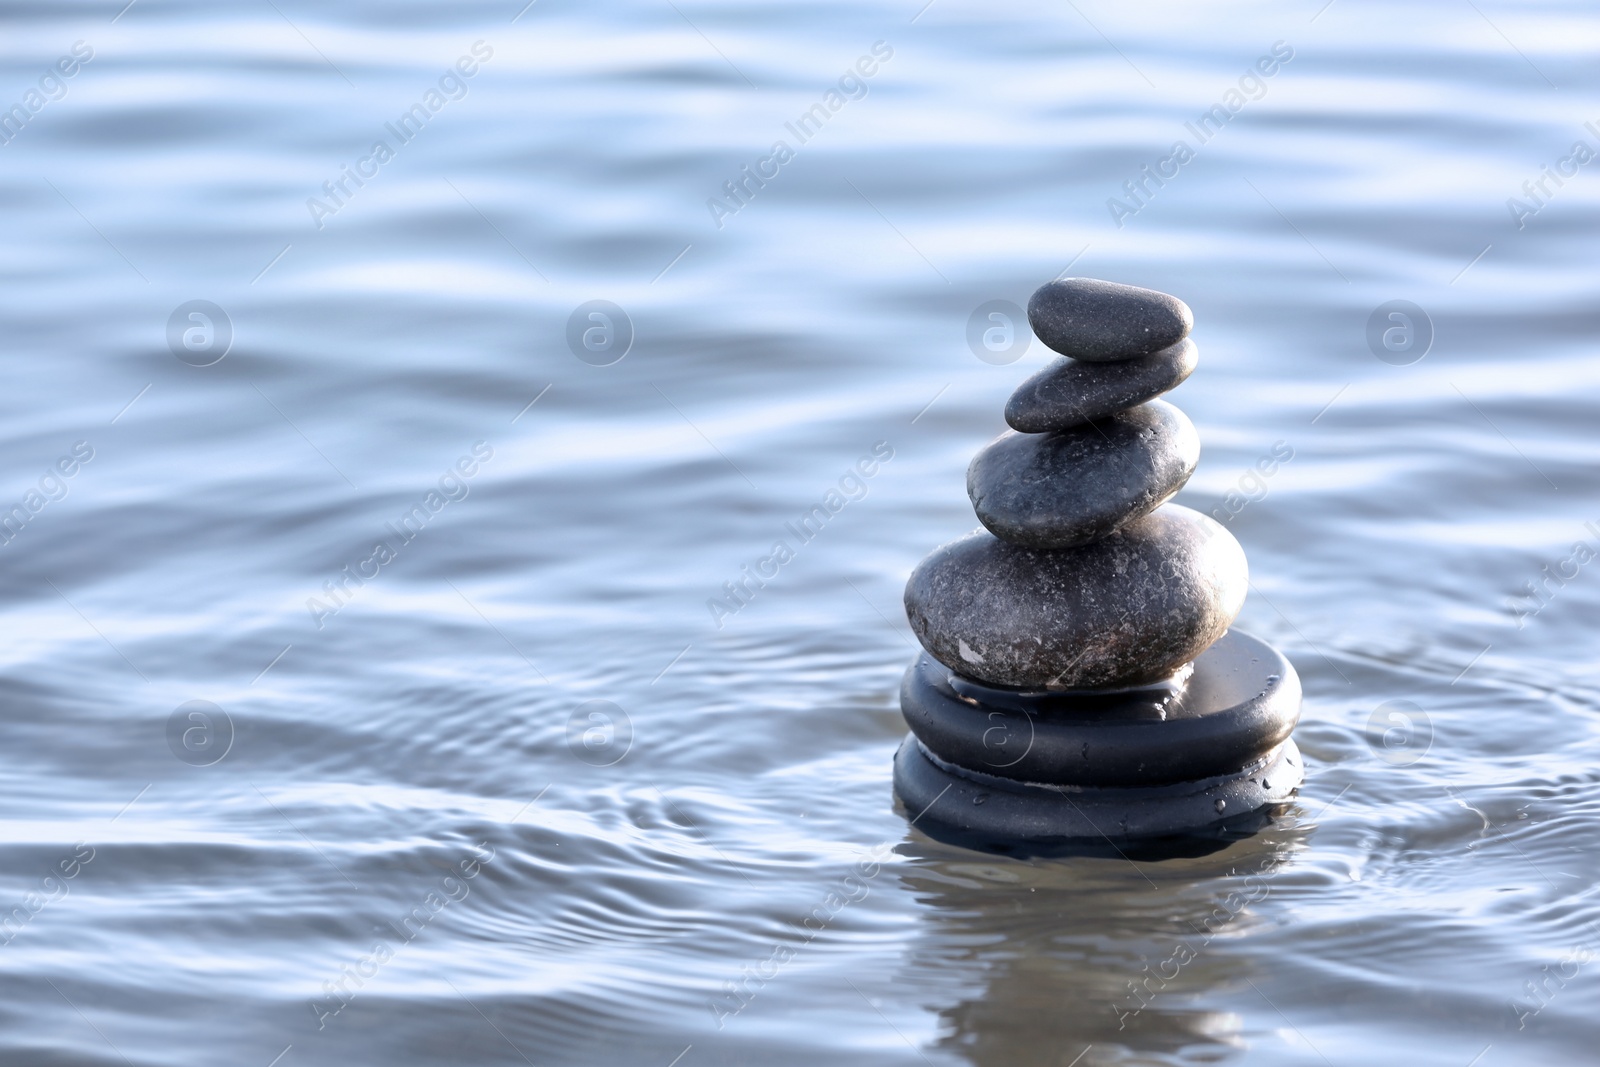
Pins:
x: 399, y: 829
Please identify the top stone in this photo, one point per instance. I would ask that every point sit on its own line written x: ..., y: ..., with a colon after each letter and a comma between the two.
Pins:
x: 1101, y: 322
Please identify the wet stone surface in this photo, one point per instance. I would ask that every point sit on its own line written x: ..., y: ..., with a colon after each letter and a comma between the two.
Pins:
x: 1239, y: 700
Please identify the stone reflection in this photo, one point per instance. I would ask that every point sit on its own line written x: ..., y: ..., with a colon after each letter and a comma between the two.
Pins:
x: 1039, y: 959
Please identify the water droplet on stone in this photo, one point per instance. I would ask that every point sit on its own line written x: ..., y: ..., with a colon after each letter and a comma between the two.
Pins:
x: 1221, y: 805
x: 980, y: 798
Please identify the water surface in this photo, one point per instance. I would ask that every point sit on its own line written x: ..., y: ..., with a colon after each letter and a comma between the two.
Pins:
x: 712, y: 870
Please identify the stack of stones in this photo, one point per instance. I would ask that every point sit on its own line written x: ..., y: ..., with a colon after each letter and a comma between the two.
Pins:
x: 1080, y: 679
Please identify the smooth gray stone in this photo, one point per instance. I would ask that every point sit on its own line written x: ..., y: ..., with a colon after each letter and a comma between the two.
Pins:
x: 1063, y: 489
x: 1127, y: 610
x: 1070, y: 392
x: 1089, y: 319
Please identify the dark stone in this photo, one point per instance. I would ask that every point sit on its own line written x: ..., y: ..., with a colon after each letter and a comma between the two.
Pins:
x: 1123, y: 611
x: 1070, y: 392
x: 1101, y: 321
x: 981, y: 811
x: 1239, y: 701
x: 1068, y: 488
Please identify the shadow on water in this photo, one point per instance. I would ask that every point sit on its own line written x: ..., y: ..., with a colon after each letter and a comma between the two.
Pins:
x: 1096, y: 954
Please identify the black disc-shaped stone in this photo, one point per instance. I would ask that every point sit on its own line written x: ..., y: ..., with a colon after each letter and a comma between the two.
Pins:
x: 1089, y: 319
x: 1125, y: 610
x: 1070, y: 392
x: 1239, y: 701
x: 1063, y: 489
x: 983, y: 811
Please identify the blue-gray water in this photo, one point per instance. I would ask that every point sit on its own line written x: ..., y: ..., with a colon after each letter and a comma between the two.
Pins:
x: 729, y: 824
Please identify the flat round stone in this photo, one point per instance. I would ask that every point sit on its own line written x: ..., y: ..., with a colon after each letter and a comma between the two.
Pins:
x: 1021, y: 820
x: 1101, y: 321
x: 1070, y: 392
x: 1237, y: 702
x: 1063, y: 489
x: 1126, y: 610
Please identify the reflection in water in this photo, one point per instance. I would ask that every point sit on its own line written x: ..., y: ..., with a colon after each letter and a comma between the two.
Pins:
x: 1106, y: 954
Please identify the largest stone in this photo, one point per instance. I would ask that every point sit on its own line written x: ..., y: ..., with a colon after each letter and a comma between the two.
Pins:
x: 1127, y: 610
